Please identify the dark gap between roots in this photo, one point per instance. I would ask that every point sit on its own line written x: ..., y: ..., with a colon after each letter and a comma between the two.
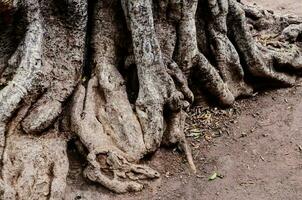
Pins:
x: 77, y: 162
x: 88, y: 64
x: 132, y: 83
x: 299, y: 38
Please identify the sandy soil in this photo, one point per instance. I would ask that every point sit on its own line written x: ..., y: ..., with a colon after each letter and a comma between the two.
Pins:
x: 259, y: 158
x: 284, y: 7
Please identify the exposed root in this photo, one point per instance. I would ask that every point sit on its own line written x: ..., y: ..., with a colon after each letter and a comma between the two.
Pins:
x: 212, y: 81
x: 103, y: 118
x: 33, y: 168
x: 156, y: 87
x: 257, y: 59
x: 99, y: 139
x: 224, y: 53
x: 144, y: 65
x: 293, y: 33
x: 190, y: 56
x: 174, y: 134
x: 55, y: 70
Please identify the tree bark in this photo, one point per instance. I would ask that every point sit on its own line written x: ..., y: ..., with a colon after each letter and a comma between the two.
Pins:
x: 118, y: 76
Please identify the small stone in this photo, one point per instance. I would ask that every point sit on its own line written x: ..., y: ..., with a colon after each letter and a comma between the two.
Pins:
x: 243, y: 134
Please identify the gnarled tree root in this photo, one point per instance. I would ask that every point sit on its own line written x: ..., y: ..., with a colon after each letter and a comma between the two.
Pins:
x: 143, y: 69
x: 33, y: 167
x: 116, y: 135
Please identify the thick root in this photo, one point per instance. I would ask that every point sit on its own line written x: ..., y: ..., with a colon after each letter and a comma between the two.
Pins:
x: 115, y: 135
x: 35, y: 177
x: 99, y: 139
x: 174, y: 134
x: 156, y: 87
x: 258, y: 60
x: 40, y: 68
x: 293, y: 33
x: 144, y: 65
x: 34, y: 168
x: 224, y: 53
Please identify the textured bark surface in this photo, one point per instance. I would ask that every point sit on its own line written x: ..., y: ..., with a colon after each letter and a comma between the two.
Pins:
x: 117, y: 77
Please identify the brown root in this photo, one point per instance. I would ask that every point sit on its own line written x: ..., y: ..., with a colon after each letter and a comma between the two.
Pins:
x: 94, y: 132
x: 34, y: 168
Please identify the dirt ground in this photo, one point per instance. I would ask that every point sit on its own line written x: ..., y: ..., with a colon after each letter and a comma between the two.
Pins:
x: 284, y: 7
x: 256, y: 152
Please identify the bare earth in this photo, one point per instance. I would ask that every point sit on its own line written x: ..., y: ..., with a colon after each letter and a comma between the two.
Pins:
x: 259, y: 158
x: 284, y: 7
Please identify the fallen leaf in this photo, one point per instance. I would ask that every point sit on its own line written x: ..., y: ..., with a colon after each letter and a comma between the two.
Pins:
x: 195, y: 133
x: 216, y: 175
x: 213, y: 176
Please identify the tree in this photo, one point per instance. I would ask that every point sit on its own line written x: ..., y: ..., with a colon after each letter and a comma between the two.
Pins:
x: 118, y: 76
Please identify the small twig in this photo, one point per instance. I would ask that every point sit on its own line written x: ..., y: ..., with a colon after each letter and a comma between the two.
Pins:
x: 299, y: 147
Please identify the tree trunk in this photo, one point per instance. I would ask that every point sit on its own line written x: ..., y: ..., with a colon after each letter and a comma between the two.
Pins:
x: 118, y: 76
